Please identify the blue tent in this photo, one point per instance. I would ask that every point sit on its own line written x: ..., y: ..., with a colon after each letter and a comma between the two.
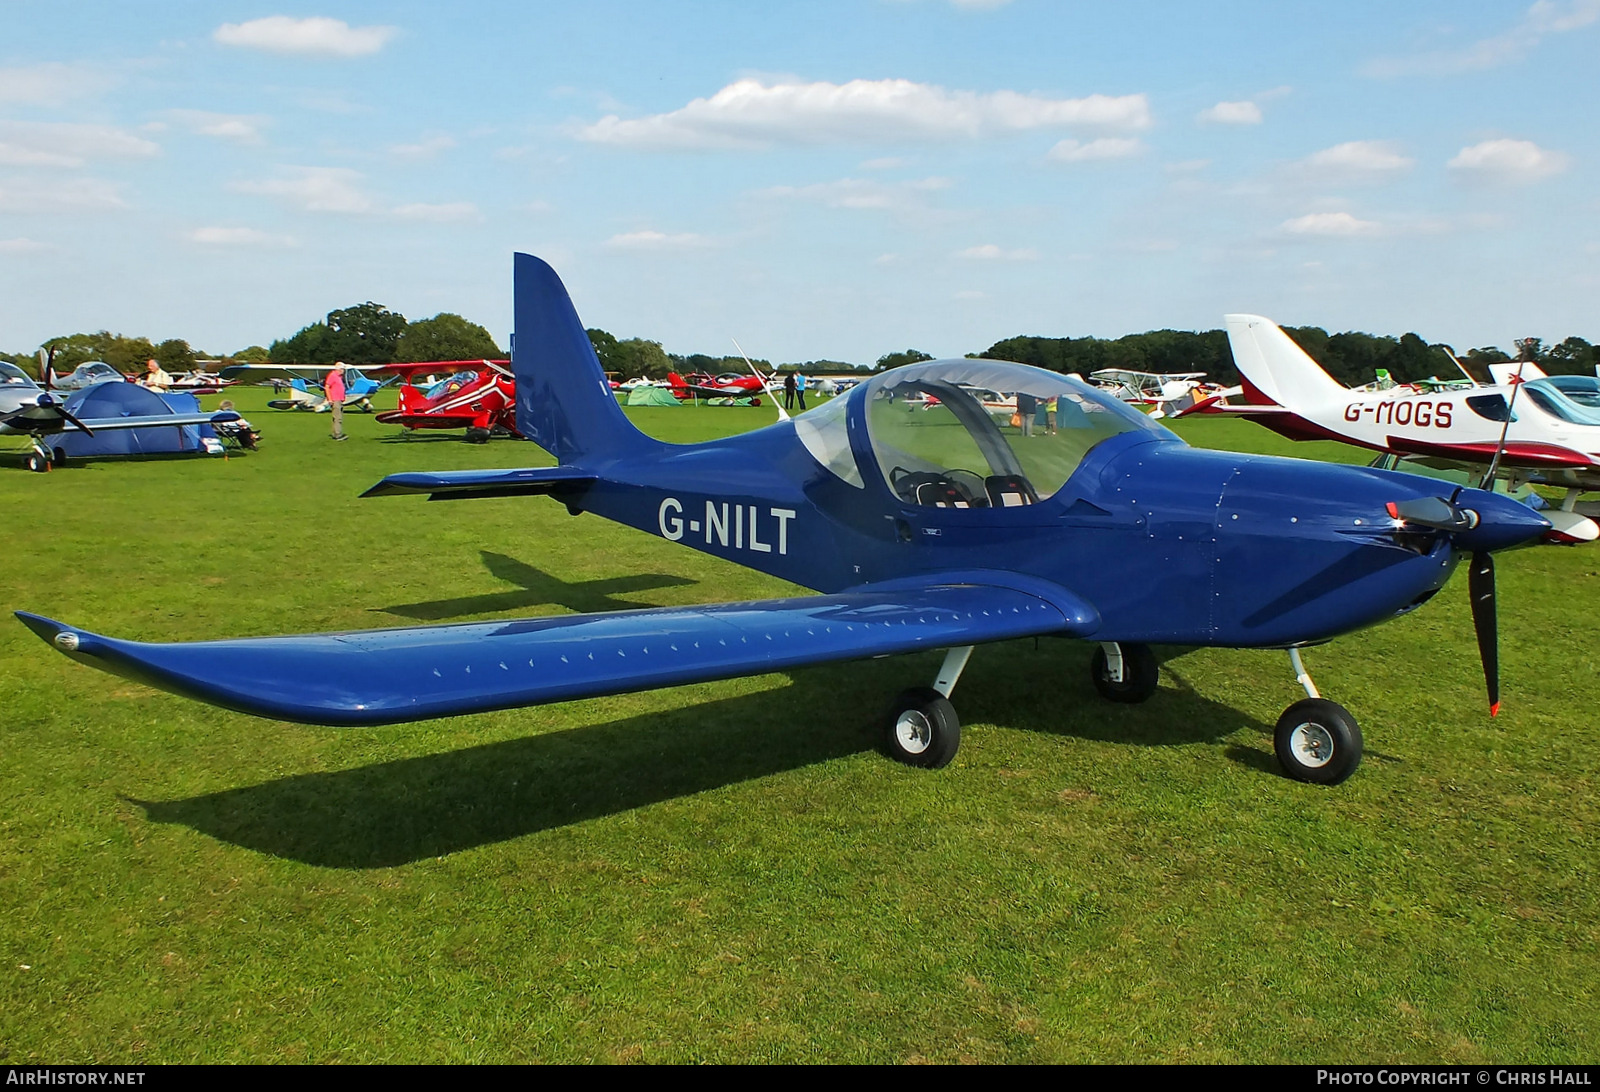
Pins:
x: 120, y: 399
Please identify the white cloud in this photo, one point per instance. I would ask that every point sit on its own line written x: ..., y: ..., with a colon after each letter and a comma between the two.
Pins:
x: 1511, y: 161
x: 657, y: 240
x: 314, y: 189
x: 62, y: 144
x: 989, y: 252
x: 1330, y: 224
x: 426, y: 148
x: 62, y: 195
x: 244, y: 128
x: 1072, y: 151
x: 860, y: 193
x: 1544, y: 18
x: 22, y: 246
x: 884, y: 163
x: 52, y: 83
x: 751, y: 114
x: 1369, y: 158
x: 317, y: 36
x: 1232, y: 113
x: 443, y: 213
x: 236, y: 236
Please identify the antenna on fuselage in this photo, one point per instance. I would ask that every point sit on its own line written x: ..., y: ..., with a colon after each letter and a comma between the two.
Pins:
x: 1459, y: 366
x: 783, y: 414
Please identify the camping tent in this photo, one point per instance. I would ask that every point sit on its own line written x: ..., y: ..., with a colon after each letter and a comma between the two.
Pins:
x: 651, y: 396
x: 120, y: 399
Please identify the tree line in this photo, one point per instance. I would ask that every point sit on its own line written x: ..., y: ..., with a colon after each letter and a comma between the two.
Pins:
x: 370, y: 333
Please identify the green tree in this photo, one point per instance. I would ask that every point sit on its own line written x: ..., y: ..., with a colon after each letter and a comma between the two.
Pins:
x: 446, y: 337
x: 255, y: 354
x: 896, y: 360
x: 174, y: 355
x: 368, y: 333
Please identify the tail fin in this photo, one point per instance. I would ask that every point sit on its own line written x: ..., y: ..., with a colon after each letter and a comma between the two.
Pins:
x: 1515, y: 371
x: 564, y: 403
x: 1275, y: 366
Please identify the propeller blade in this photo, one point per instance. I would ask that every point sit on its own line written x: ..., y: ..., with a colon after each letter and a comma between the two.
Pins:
x: 74, y: 422
x: 1480, y: 587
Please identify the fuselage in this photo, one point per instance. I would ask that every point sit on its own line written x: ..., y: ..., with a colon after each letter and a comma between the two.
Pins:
x: 1171, y: 543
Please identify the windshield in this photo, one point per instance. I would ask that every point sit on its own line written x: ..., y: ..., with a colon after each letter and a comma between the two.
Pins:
x: 1550, y: 398
x: 987, y: 433
x: 13, y: 376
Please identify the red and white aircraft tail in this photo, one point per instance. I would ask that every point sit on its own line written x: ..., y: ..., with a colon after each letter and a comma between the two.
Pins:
x: 1279, y: 370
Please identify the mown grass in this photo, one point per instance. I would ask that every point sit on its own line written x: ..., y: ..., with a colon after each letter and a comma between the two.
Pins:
x: 730, y: 872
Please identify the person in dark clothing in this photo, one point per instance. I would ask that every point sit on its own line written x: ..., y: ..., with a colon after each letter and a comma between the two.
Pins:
x: 788, y: 390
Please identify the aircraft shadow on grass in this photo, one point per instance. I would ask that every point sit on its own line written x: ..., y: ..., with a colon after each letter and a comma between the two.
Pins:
x: 537, y: 588
x: 392, y: 813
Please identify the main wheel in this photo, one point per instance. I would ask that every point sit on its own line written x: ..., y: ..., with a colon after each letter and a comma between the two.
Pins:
x: 1140, y: 674
x: 477, y: 435
x: 1318, y: 741
x: 37, y: 462
x: 922, y: 729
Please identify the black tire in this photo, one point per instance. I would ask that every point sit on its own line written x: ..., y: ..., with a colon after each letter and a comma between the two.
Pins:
x: 477, y: 435
x: 921, y: 729
x: 58, y: 456
x: 38, y: 463
x: 1318, y: 741
x: 1140, y: 674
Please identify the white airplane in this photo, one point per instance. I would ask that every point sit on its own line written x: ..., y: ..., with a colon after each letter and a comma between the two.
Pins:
x: 1527, y: 428
x: 29, y: 410
x: 1170, y: 392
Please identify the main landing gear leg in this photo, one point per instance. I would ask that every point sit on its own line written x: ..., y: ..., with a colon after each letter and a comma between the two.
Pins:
x: 922, y: 729
x: 1125, y: 673
x: 1316, y: 740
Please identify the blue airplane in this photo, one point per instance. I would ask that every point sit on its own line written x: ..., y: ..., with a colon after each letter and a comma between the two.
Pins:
x: 925, y: 520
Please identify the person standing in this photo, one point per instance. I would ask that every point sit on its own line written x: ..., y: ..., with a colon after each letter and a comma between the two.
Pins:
x: 800, y: 389
x: 788, y: 390
x: 334, y: 388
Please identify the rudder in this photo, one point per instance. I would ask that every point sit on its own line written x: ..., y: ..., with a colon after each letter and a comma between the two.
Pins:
x: 1274, y: 365
x: 564, y: 403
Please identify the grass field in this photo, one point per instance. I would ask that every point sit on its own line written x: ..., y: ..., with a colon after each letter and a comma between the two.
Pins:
x: 731, y: 872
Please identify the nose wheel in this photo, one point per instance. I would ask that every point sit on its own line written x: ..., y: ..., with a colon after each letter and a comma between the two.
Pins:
x: 1125, y: 672
x: 1316, y: 740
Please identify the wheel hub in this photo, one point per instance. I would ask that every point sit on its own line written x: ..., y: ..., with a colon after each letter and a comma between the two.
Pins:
x: 1312, y: 744
x: 913, y: 731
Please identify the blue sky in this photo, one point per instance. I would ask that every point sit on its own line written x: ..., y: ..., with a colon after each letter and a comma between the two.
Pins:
x: 838, y: 178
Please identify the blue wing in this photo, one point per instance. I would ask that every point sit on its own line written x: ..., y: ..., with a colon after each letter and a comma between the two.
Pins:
x: 390, y: 675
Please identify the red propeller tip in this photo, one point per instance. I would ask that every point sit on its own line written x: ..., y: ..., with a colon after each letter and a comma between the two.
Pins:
x: 1494, y: 709
x: 1394, y: 510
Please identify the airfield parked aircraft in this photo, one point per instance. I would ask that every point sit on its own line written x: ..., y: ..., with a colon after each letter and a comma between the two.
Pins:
x: 305, y: 384
x: 84, y: 375
x: 932, y: 529
x: 724, y: 389
x: 1543, y: 429
x: 27, y: 409
x: 477, y: 395
x: 1169, y: 392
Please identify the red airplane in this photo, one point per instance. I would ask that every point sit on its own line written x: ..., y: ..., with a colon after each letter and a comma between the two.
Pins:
x: 478, y: 395
x: 726, y: 385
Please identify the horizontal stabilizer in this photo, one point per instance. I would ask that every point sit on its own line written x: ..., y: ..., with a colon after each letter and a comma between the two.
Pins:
x: 391, y: 675
x: 462, y: 484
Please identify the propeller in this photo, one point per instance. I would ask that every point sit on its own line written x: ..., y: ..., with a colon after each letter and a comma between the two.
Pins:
x: 1445, y: 515
x: 55, y: 404
x: 1480, y: 587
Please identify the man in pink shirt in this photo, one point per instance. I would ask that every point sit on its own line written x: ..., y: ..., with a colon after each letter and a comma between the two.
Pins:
x: 334, y: 388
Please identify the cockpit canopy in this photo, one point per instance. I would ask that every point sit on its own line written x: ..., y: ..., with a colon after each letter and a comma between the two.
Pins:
x: 13, y: 376
x: 973, y: 433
